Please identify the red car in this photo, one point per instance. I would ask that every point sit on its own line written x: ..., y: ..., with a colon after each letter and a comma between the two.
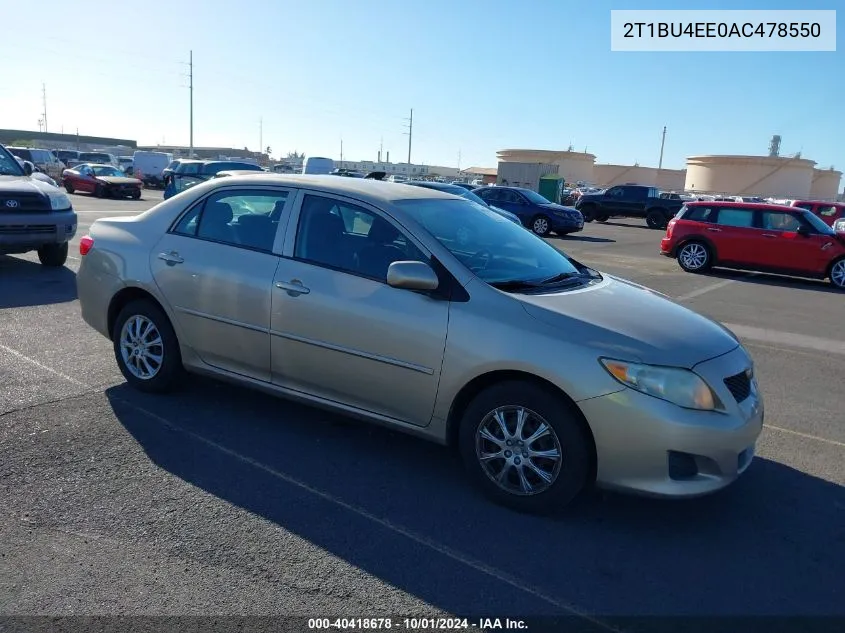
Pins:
x: 830, y: 212
x: 104, y: 181
x: 760, y: 237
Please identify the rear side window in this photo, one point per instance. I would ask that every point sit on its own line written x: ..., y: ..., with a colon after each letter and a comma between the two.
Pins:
x: 736, y: 217
x: 826, y: 210
x: 700, y: 214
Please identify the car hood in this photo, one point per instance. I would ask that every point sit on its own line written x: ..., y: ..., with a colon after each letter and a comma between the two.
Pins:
x: 24, y: 184
x: 559, y: 207
x: 630, y: 322
x: 119, y: 180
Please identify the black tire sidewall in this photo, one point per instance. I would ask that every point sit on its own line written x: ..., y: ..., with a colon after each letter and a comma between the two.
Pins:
x: 53, y: 255
x: 656, y: 220
x: 171, y: 371
x: 707, y: 263
x: 574, y: 475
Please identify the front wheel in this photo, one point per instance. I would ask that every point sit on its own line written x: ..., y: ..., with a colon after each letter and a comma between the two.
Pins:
x: 656, y: 220
x: 602, y: 218
x: 53, y: 255
x: 695, y: 257
x: 69, y: 187
x: 100, y: 191
x: 589, y: 212
x: 541, y: 225
x: 837, y: 274
x: 146, y: 347
x: 524, y: 447
x: 136, y: 195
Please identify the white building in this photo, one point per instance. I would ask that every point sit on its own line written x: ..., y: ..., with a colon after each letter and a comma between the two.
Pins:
x: 400, y: 169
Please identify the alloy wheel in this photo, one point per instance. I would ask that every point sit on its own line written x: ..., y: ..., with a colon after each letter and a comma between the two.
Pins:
x: 837, y: 274
x: 141, y: 347
x: 693, y: 256
x: 518, y: 450
x: 541, y: 226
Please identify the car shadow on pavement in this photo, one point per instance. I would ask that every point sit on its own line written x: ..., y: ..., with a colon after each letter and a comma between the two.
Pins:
x: 571, y: 237
x: 26, y: 283
x: 632, y: 226
x: 401, y: 510
x: 766, y: 279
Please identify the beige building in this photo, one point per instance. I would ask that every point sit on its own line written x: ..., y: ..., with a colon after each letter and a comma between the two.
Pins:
x: 665, y: 179
x: 825, y: 184
x: 572, y: 166
x: 767, y: 176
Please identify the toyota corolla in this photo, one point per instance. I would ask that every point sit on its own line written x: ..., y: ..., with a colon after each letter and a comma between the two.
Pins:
x: 353, y: 295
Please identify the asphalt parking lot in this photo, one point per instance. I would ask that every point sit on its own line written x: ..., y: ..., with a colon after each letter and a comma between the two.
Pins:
x: 222, y: 501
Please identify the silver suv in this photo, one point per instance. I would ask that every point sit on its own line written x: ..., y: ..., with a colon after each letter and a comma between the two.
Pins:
x: 34, y: 216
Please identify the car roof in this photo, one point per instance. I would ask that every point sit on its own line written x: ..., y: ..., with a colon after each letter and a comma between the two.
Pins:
x: 374, y: 191
x: 440, y: 186
x: 836, y: 204
x: 763, y: 206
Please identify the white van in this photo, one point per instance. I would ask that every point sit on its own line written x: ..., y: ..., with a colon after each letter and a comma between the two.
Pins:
x: 149, y: 165
x: 317, y: 165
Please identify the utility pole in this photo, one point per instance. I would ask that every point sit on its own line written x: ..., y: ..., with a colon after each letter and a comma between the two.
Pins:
x: 191, y: 93
x: 410, y: 134
x: 44, y: 99
x: 662, y: 143
x: 341, y: 152
x: 459, y: 160
x: 260, y: 137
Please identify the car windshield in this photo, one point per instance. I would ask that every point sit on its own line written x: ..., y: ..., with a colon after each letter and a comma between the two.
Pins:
x: 818, y: 223
x: 534, y: 197
x: 494, y: 248
x: 8, y: 165
x: 107, y: 171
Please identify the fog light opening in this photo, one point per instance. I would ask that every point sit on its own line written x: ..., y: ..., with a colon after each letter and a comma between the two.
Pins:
x: 682, y: 466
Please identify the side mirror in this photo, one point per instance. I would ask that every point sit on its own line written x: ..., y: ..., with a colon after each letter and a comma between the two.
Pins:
x: 27, y: 168
x: 803, y: 231
x: 412, y: 276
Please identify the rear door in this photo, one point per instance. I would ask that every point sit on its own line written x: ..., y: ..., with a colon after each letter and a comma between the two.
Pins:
x: 737, y: 239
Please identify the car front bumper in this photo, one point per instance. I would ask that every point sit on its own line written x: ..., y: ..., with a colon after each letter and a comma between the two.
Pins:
x: 26, y: 231
x: 567, y: 225
x: 649, y: 446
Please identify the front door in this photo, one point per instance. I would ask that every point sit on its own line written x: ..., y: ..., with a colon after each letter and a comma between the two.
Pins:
x: 215, y: 268
x: 339, y: 331
x: 789, y: 250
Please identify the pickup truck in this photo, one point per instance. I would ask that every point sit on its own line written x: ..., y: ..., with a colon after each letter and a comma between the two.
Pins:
x: 629, y: 201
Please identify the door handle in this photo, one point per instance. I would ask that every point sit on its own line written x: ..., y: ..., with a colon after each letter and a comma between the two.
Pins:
x: 293, y: 287
x: 171, y: 257
x: 769, y: 235
x: 714, y: 230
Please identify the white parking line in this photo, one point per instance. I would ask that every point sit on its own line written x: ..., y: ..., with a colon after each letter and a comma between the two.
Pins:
x: 26, y: 358
x: 801, y: 341
x: 397, y: 529
x: 706, y: 289
x: 806, y: 436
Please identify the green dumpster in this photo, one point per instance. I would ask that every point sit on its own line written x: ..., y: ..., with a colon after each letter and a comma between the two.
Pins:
x: 551, y: 186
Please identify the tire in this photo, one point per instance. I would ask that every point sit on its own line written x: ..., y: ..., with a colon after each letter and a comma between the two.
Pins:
x: 53, y: 255
x: 837, y: 274
x: 69, y: 187
x: 656, y: 220
x: 589, y: 212
x: 168, y: 373
x: 136, y: 195
x: 695, y: 257
x: 602, y: 218
x: 100, y: 191
x: 541, y: 225
x: 570, y: 473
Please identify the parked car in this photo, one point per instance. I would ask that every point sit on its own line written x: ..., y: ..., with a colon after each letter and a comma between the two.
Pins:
x: 760, y: 237
x: 34, y: 215
x: 457, y: 190
x: 533, y: 210
x: 43, y: 159
x: 168, y: 171
x: 32, y: 171
x: 126, y: 165
x: 99, y: 158
x: 104, y: 181
x: 317, y: 165
x: 70, y: 157
x: 629, y: 201
x: 189, y: 173
x: 150, y: 167
x: 547, y: 376
x: 829, y: 212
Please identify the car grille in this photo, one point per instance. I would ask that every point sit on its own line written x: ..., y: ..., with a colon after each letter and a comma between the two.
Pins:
x: 28, y: 229
x: 739, y: 385
x: 17, y: 202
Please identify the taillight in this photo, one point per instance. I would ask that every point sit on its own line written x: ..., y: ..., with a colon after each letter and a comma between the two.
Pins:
x: 669, y: 227
x: 86, y: 244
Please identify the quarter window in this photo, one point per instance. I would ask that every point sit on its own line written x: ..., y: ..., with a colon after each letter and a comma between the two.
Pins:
x: 248, y: 219
x: 349, y: 238
x: 736, y: 217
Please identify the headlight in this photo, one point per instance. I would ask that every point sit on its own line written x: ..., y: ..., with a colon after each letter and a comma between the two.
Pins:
x: 59, y: 202
x: 678, y: 386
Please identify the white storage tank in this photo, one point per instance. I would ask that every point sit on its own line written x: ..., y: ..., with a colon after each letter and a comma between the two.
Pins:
x: 609, y: 175
x: 573, y: 166
x: 766, y: 176
x: 825, y: 184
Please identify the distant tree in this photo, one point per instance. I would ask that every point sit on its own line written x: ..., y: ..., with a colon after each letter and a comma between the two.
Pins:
x: 22, y: 144
x: 268, y: 151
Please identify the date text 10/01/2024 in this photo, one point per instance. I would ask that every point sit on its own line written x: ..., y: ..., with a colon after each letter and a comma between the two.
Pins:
x: 416, y: 624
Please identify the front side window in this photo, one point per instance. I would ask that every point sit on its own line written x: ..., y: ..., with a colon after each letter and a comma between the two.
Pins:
x: 741, y: 218
x: 779, y: 221
x: 534, y: 197
x: 349, y: 238
x: 8, y: 165
x: 108, y: 171
x: 247, y: 219
x: 614, y: 192
x: 494, y: 248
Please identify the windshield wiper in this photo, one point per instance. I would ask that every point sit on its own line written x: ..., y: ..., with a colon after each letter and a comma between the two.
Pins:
x: 515, y: 284
x: 559, y: 277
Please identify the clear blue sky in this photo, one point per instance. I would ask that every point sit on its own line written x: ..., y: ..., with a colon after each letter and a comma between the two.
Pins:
x: 481, y: 75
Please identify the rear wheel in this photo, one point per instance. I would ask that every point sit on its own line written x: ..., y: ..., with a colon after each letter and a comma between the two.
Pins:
x: 53, y: 255
x: 837, y: 274
x: 146, y: 347
x: 695, y: 257
x: 136, y: 195
x: 524, y: 447
x: 589, y: 212
x: 602, y: 218
x: 656, y: 220
x: 69, y: 187
x: 541, y: 225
